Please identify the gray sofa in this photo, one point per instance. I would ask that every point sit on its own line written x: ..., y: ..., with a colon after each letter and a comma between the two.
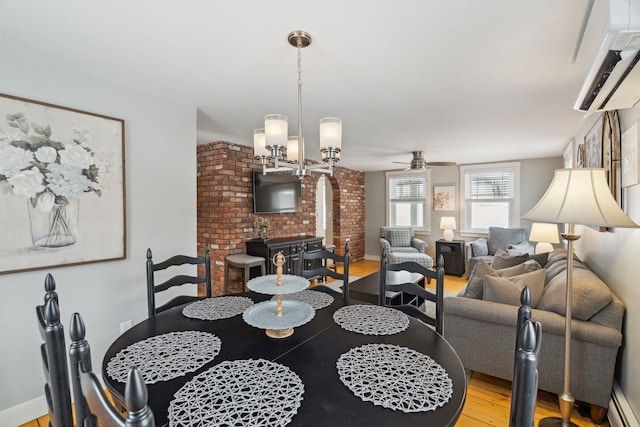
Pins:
x: 482, y: 331
x: 513, y: 240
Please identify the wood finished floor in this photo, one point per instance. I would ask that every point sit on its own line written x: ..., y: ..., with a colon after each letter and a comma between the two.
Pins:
x: 488, y: 399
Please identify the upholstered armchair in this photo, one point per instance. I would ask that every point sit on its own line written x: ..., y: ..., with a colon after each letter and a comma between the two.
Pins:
x: 512, y: 240
x: 400, y: 239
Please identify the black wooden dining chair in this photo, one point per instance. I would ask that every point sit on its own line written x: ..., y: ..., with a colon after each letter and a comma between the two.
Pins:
x: 54, y: 358
x: 96, y: 409
x: 315, y: 265
x: 524, y: 387
x: 414, y: 294
x: 173, y: 263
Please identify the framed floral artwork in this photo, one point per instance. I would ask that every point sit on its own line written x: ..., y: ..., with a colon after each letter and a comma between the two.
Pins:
x: 593, y: 146
x: 62, y: 186
x: 444, y: 198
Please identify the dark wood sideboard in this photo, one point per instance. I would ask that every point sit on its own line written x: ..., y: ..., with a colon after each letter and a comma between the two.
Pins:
x: 290, y: 248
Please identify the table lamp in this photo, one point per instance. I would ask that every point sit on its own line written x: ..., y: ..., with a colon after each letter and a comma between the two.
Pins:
x: 575, y: 196
x: 545, y: 234
x: 448, y: 224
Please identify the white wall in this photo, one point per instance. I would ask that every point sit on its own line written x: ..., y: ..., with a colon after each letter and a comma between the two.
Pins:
x: 160, y: 154
x: 614, y: 256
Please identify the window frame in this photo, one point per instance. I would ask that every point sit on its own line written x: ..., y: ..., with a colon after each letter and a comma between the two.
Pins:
x: 514, y: 202
x: 426, y: 175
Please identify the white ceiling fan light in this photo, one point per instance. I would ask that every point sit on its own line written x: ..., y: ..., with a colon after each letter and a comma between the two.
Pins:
x: 418, y: 162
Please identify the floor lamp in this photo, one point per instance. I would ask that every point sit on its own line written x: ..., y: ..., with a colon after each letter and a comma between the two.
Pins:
x: 575, y: 196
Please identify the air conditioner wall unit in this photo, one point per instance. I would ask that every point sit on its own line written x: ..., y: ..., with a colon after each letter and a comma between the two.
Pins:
x: 613, y: 82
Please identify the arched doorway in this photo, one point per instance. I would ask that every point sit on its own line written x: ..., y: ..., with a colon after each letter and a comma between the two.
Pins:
x: 324, y: 210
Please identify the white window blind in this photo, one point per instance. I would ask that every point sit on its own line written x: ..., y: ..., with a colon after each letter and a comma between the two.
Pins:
x: 496, y: 184
x: 408, y: 202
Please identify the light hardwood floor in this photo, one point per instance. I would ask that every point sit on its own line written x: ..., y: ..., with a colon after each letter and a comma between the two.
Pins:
x: 488, y: 399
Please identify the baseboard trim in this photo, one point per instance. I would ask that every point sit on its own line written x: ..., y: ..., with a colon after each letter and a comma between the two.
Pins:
x: 372, y: 257
x: 24, y: 412
x: 620, y: 413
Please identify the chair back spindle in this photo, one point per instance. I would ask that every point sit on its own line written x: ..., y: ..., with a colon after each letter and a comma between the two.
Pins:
x: 525, y: 370
x: 54, y: 358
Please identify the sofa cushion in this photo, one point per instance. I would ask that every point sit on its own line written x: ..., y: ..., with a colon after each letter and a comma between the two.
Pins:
x: 479, y: 247
x: 501, y: 238
x: 507, y: 290
x: 399, y: 236
x: 502, y: 259
x: 589, y: 296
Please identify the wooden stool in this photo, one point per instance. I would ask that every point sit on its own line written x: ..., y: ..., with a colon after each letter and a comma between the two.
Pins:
x: 244, y: 262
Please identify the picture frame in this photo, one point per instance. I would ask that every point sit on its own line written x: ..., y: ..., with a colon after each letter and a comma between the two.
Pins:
x: 593, y: 145
x: 444, y: 198
x: 629, y: 153
x: 62, y: 186
x: 569, y: 155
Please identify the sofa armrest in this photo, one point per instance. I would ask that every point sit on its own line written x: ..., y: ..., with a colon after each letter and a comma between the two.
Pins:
x: 384, y: 244
x: 420, y: 245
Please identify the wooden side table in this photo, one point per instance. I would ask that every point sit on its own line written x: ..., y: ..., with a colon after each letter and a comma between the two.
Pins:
x: 453, y: 254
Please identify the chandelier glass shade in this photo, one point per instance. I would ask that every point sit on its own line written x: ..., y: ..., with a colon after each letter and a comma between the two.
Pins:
x: 277, y: 152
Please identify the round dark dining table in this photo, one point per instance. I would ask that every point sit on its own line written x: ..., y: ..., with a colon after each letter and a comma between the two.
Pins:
x: 311, y: 352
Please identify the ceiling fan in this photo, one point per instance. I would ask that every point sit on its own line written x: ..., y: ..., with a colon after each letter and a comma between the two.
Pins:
x: 418, y: 162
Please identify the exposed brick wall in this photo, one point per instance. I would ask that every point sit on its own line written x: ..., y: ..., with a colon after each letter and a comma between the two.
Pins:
x: 225, y: 207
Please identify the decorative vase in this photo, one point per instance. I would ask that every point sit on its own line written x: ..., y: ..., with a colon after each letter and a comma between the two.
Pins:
x: 56, y: 228
x: 263, y: 232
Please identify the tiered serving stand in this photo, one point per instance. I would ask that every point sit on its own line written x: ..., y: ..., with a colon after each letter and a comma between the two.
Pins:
x: 278, y: 317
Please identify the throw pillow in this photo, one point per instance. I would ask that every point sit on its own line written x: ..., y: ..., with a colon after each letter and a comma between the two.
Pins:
x: 479, y: 247
x: 399, y: 237
x: 474, y: 288
x: 540, y: 258
x: 501, y: 238
x: 507, y: 290
x: 589, y: 295
x: 519, y: 248
x: 503, y: 260
x: 531, y: 265
x: 474, y: 284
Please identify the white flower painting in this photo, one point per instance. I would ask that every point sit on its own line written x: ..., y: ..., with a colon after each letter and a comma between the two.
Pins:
x: 61, y: 186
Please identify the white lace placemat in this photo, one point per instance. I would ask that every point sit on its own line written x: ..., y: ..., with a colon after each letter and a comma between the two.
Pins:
x: 395, y: 377
x: 371, y: 319
x: 217, y: 308
x: 167, y: 356
x: 315, y: 299
x: 238, y: 393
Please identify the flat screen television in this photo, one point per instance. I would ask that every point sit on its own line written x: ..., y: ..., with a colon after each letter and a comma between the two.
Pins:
x: 276, y: 193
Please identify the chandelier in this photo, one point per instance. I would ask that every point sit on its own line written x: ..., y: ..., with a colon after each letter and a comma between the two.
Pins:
x: 287, y: 153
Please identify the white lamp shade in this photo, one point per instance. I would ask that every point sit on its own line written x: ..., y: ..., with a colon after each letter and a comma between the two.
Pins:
x: 544, y: 232
x: 330, y: 133
x: 292, y: 149
x: 275, y: 130
x: 259, y: 148
x: 580, y: 196
x: 448, y: 223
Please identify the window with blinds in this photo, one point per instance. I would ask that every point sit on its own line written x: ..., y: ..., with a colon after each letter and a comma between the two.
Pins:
x: 407, y: 199
x: 490, y: 196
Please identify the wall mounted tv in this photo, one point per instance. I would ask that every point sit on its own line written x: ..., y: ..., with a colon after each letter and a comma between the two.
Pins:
x: 276, y: 193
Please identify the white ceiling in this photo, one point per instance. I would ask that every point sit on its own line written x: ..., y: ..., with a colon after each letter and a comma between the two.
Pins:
x: 462, y: 80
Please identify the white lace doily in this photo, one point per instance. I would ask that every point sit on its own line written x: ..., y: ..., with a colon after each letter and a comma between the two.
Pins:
x: 371, y: 319
x: 217, y: 308
x: 238, y: 393
x: 164, y: 357
x: 395, y: 377
x: 315, y: 299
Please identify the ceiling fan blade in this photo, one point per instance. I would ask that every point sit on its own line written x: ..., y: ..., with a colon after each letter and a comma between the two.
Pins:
x: 441, y: 163
x: 402, y: 163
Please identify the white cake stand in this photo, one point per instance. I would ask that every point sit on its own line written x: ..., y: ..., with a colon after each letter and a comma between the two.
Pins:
x: 278, y: 317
